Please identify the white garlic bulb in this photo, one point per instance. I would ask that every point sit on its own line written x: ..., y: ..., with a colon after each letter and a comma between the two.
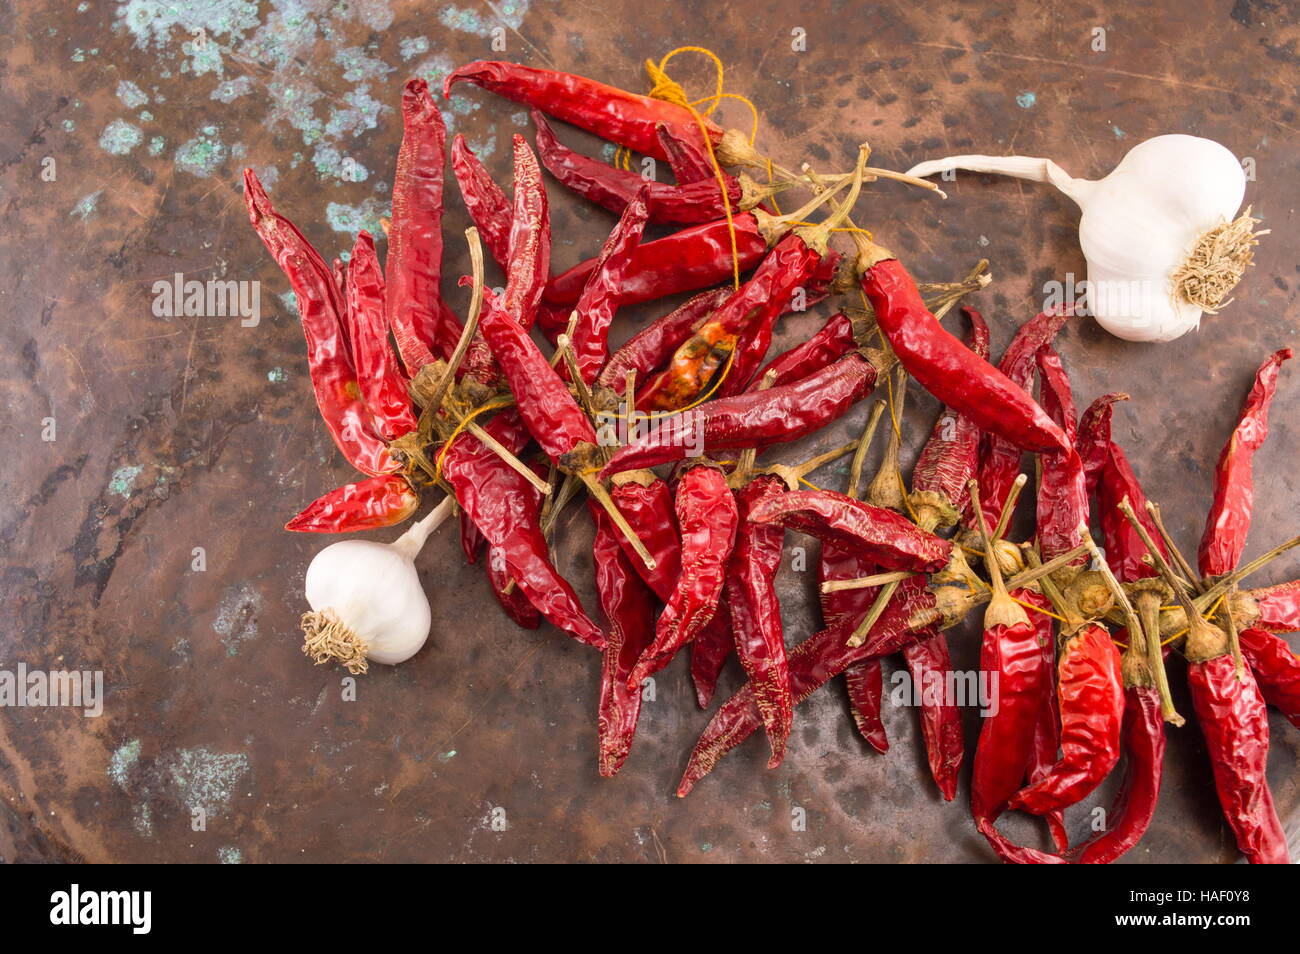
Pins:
x: 366, y: 599
x: 1158, y: 232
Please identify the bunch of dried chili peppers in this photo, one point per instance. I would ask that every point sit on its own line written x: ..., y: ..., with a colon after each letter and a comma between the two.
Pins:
x: 663, y: 436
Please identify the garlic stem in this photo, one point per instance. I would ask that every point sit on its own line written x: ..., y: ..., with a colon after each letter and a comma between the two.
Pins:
x: 411, y: 542
x: 1018, y: 167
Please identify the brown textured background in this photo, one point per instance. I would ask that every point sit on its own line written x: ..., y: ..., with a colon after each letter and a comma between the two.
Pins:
x: 183, y: 432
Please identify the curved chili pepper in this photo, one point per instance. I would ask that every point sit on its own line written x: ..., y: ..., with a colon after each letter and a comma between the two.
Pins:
x: 756, y: 614
x: 629, y: 608
x: 694, y: 258
x: 1091, y: 703
x: 627, y: 119
x: 688, y: 161
x: 489, y: 208
x: 1000, y: 458
x: 1235, y: 725
x: 707, y: 516
x: 600, y: 298
x: 888, y: 539
x: 1047, y: 733
x: 650, y: 347
x: 864, y: 681
x: 378, y: 376
x: 369, y: 504
x: 648, y: 509
x: 1276, y: 669
x: 612, y: 188
x: 415, y: 234
x: 832, y: 341
x: 947, y: 368
x: 500, y: 501
x: 758, y: 418
x: 929, y: 662
x: 1279, y: 607
x: 710, y: 651
x: 512, y: 599
x: 333, y: 378
x: 1062, y: 490
x: 1229, y: 517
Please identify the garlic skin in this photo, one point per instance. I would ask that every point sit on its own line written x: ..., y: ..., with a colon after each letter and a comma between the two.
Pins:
x: 1139, y: 224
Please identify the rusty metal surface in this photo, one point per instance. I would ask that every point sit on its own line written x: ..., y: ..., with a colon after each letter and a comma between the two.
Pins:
x: 177, y: 433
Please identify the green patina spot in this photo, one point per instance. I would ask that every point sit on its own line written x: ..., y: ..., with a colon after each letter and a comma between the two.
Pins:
x: 86, y: 207
x: 230, y: 856
x: 156, y: 145
x: 120, y: 137
x: 123, y: 480
x: 124, y: 758
x: 202, y: 155
x: 131, y: 95
x: 277, y: 376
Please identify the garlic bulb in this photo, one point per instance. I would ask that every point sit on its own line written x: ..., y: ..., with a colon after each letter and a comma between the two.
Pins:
x: 367, y: 601
x: 1158, y: 232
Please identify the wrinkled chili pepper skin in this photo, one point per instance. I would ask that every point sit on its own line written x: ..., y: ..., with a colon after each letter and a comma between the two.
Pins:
x: 629, y: 608
x: 1062, y: 487
x: 487, y: 204
x: 414, y: 266
x: 653, y: 345
x: 1047, y: 733
x: 1279, y: 607
x: 1229, y: 518
x: 864, y: 681
x: 649, y: 511
x: 688, y: 161
x: 831, y: 342
x: 543, y: 400
x: 756, y: 614
x: 1143, y: 735
x: 530, y: 238
x: 333, y: 378
x: 929, y: 662
x: 707, y: 517
x: 1009, y: 654
x: 627, y: 119
x: 513, y: 603
x: 502, y: 504
x: 710, y: 651
x: 1276, y: 669
x: 999, y: 458
x: 758, y: 418
x: 886, y: 538
x: 378, y: 376
x: 368, y: 504
x: 612, y: 188
x: 471, y: 541
x: 1234, y: 722
x: 865, y: 684
x: 949, y: 370
x: 1091, y: 702
x: 694, y: 258
x: 813, y: 663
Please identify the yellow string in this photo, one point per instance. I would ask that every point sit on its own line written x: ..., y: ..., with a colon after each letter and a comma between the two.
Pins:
x: 464, y: 423
x: 669, y: 91
x: 771, y: 177
x: 731, y: 357
x: 1175, y: 636
x: 1036, y: 608
x: 804, y: 480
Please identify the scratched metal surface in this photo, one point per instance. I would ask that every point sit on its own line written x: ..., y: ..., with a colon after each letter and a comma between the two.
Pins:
x: 176, y: 433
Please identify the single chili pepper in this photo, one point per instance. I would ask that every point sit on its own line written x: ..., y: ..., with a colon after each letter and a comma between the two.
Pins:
x: 707, y: 516
x: 512, y: 599
x: 1278, y: 606
x: 865, y: 682
x: 649, y: 348
x: 756, y: 613
x: 1276, y: 669
x: 380, y: 501
x: 629, y: 608
x: 688, y: 161
x: 943, y: 365
x: 499, y: 500
x: 929, y: 663
x: 1046, y: 746
x: 471, y: 540
x: 333, y: 377
x: 414, y: 266
x: 490, y: 210
x: 627, y: 119
x: 832, y: 341
x: 612, y: 188
x: 599, y: 299
x: 758, y: 418
x: 1091, y: 703
x: 891, y: 541
x: 1229, y: 518
x: 710, y: 651
x: 1062, y: 490
x: 813, y: 663
x: 378, y: 376
x: 1000, y: 458
x: 646, y: 504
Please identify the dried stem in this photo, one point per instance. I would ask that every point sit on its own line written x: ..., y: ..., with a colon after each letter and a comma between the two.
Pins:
x: 597, y: 490
x: 864, y: 442
x: 1193, y: 578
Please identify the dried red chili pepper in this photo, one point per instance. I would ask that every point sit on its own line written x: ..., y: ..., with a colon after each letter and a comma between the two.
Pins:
x: 1062, y: 490
x: 865, y: 683
x: 710, y: 651
x: 832, y: 341
x: 489, y: 208
x: 629, y: 608
x: 649, y: 348
x: 321, y: 309
x: 1091, y: 703
x: 943, y: 365
x: 758, y: 418
x: 688, y: 161
x: 1229, y: 517
x: 471, y: 540
x: 707, y: 516
x: 646, y: 503
x: 1276, y: 669
x: 1278, y: 607
x: 512, y: 599
x: 891, y: 541
x: 1046, y: 746
x: 378, y: 376
x: 627, y: 119
x: 929, y: 662
x: 414, y: 264
x: 369, y: 504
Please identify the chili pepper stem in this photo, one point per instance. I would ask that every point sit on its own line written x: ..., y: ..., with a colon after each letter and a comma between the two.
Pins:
x: 864, y: 442
x: 1002, y: 611
x: 564, y: 343
x: 597, y: 490
x: 1009, y: 506
x: 504, y: 453
x: 865, y: 582
x: 1153, y: 510
x: 1234, y: 643
x: 877, y: 608
x: 1148, y: 602
x: 1226, y: 583
x: 886, y: 487
x: 439, y: 392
